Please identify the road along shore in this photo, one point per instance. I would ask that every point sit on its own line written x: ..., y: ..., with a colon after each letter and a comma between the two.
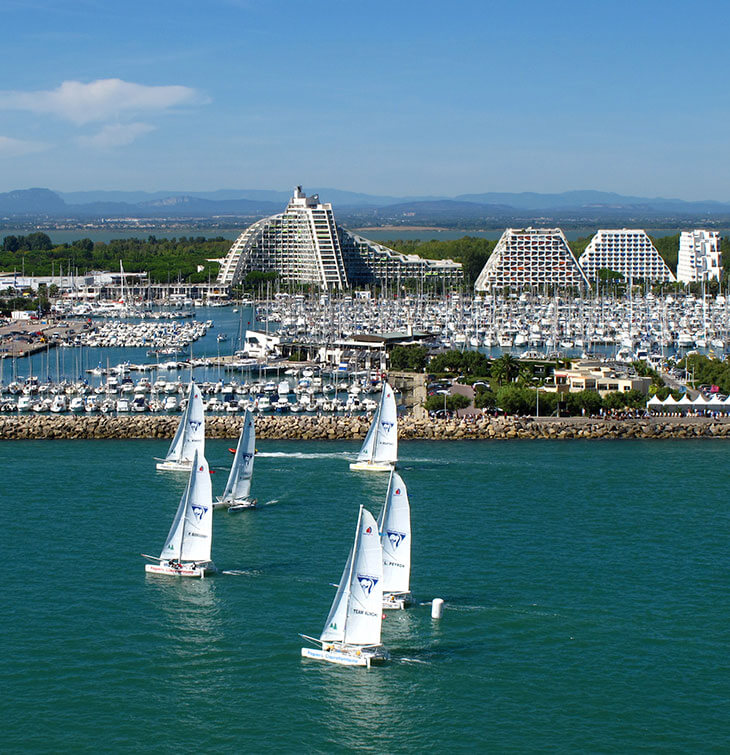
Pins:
x: 36, y: 427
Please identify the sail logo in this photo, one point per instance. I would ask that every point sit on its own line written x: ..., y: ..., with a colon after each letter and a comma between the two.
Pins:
x: 194, y: 424
x: 246, y: 457
x: 387, y: 426
x: 199, y: 511
x: 367, y: 583
x: 396, y: 538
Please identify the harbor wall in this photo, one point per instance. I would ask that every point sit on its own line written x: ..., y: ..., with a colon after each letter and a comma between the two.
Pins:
x: 26, y: 427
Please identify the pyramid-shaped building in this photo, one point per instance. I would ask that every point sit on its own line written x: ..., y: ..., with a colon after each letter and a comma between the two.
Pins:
x: 628, y: 251
x: 530, y: 257
x: 304, y: 245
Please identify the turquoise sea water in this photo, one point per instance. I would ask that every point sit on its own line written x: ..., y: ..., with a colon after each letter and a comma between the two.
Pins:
x: 585, y: 583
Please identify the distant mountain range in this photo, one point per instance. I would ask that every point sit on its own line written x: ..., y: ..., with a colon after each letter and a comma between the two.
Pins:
x: 357, y: 208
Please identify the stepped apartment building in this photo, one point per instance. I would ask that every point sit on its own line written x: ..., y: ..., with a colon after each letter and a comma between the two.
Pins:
x: 627, y: 251
x: 531, y: 257
x: 699, y: 256
x: 305, y: 245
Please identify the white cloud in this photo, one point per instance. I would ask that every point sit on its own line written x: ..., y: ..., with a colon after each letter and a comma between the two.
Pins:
x: 115, y: 135
x: 100, y: 100
x: 10, y: 147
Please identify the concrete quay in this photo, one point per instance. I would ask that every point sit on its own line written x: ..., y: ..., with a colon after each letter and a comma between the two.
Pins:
x: 26, y: 427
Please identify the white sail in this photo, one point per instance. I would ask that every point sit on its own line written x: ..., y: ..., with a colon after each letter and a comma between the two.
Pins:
x: 173, y: 453
x: 386, y: 437
x: 365, y: 604
x: 355, y: 617
x: 334, y: 627
x: 366, y: 452
x: 190, y: 435
x: 194, y: 439
x: 191, y: 533
x: 238, y: 486
x: 394, y: 525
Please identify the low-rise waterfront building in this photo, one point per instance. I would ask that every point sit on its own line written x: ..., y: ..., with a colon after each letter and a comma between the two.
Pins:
x: 628, y: 251
x: 699, y: 256
x: 591, y: 375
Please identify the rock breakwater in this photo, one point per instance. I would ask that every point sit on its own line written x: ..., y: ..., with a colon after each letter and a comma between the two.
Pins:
x: 28, y: 427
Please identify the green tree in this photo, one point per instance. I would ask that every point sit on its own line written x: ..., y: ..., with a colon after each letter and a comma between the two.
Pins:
x: 451, y: 402
x: 513, y: 399
x: 505, y: 369
x: 408, y: 358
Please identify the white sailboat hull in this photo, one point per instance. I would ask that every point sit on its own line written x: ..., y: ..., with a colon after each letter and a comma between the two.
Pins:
x: 175, y: 466
x: 396, y: 601
x: 182, y: 570
x: 372, y: 466
x: 248, y: 503
x: 347, y: 655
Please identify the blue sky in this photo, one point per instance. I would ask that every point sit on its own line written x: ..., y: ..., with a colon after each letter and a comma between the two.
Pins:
x: 398, y: 97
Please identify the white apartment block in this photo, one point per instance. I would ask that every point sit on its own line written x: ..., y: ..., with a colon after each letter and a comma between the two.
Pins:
x: 628, y: 251
x: 304, y: 244
x: 699, y: 256
x: 531, y: 257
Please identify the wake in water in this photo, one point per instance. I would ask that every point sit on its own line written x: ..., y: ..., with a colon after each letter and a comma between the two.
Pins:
x: 241, y: 572
x: 300, y: 455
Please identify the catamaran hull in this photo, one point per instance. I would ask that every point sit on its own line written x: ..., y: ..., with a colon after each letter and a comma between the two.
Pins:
x: 397, y: 601
x: 372, y: 466
x: 184, y: 570
x: 349, y: 657
x: 233, y: 506
x: 174, y: 466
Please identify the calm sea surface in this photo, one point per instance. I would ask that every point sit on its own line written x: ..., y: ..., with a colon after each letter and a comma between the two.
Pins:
x: 586, y: 590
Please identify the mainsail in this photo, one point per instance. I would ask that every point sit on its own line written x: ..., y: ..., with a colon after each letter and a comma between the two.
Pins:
x: 394, y: 525
x: 191, y: 534
x: 355, y: 617
x: 238, y: 486
x: 190, y: 435
x: 386, y: 438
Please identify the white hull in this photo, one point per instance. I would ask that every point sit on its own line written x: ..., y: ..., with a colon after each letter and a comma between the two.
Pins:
x: 249, y: 503
x: 372, y: 466
x: 183, y: 570
x: 397, y: 601
x: 347, y: 655
x: 175, y: 466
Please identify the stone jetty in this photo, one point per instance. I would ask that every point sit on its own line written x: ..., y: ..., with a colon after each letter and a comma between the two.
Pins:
x: 25, y: 427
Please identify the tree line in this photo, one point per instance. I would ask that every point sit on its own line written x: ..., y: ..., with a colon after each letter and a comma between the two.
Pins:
x: 184, y: 258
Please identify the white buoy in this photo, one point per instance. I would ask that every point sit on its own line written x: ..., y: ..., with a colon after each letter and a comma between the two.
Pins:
x: 437, y: 608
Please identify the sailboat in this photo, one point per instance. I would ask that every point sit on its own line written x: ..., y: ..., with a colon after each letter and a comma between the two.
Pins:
x: 186, y: 552
x: 379, y: 452
x: 190, y: 435
x: 394, y: 526
x: 236, y: 494
x: 351, y: 634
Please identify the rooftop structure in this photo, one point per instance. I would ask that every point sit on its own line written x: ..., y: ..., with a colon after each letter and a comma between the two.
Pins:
x: 305, y: 245
x: 699, y: 256
x: 627, y: 251
x: 531, y: 257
